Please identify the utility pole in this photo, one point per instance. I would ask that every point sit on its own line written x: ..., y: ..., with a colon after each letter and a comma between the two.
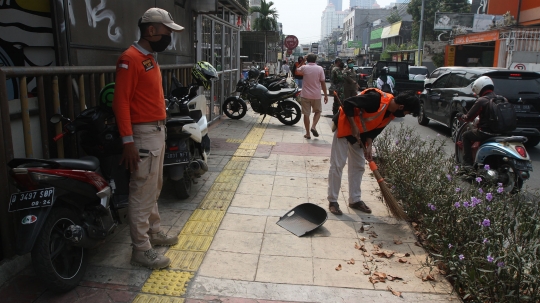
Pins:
x: 420, y: 34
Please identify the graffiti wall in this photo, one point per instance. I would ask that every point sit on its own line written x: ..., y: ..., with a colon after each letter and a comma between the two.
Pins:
x: 26, y: 36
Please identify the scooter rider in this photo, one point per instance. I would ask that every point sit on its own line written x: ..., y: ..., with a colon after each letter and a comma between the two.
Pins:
x: 482, y: 87
x: 140, y: 114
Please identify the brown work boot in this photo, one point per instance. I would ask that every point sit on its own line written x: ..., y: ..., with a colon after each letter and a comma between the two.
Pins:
x: 161, y: 239
x: 149, y: 259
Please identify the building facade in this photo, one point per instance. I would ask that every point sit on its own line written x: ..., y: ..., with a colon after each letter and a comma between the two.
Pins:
x: 364, y: 4
x: 337, y: 4
x: 331, y: 19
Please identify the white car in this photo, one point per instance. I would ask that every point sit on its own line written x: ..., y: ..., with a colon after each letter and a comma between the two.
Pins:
x: 418, y: 73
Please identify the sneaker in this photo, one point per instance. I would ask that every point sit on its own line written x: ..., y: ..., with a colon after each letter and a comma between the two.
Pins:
x: 161, y: 239
x: 149, y: 259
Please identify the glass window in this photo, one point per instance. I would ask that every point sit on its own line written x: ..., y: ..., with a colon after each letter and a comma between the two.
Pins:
x: 441, y: 81
x: 456, y: 81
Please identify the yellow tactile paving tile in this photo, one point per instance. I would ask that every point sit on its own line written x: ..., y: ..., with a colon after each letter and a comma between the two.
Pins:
x: 232, y: 172
x: 193, y: 243
x: 146, y: 298
x: 248, y: 146
x: 199, y: 228
x: 217, y: 195
x: 244, y: 152
x: 237, y: 165
x: 167, y: 282
x: 228, y: 179
x: 230, y: 140
x: 267, y: 143
x: 207, y: 215
x: 185, y: 260
x: 224, y: 187
x: 214, y: 204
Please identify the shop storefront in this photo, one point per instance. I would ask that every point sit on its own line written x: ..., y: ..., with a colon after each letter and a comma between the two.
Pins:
x: 403, y: 56
x: 475, y: 49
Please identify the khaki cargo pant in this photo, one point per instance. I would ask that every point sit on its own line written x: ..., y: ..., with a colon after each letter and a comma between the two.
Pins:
x: 145, y: 185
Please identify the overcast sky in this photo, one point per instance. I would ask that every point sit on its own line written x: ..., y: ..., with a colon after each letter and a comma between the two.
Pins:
x: 302, y: 18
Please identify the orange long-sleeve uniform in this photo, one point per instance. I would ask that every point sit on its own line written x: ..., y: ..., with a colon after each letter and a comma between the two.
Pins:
x: 138, y: 91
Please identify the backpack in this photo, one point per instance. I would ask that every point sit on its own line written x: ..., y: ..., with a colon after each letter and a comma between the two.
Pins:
x: 386, y: 87
x: 502, y: 115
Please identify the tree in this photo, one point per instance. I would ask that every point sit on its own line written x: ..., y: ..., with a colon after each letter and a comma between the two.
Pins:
x: 430, y: 8
x: 267, y: 20
x: 394, y: 17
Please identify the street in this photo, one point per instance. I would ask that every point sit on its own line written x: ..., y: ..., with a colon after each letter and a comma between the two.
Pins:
x: 433, y: 128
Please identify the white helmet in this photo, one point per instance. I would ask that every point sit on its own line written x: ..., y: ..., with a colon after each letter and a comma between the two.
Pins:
x: 479, y: 84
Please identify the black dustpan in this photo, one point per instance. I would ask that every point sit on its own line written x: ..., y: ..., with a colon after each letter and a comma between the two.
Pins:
x: 303, y: 219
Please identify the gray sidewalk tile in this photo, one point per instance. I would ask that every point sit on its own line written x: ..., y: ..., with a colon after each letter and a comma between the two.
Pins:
x: 272, y: 228
x: 299, y: 182
x: 252, y: 201
x: 325, y: 273
x: 290, y: 191
x: 335, y: 248
x: 229, y: 265
x: 336, y: 229
x: 255, y: 189
x: 282, y: 269
x: 286, y: 245
x: 249, y: 223
x: 237, y: 241
x: 285, y: 203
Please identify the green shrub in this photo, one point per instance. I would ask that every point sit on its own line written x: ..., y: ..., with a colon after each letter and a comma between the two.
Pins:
x: 484, y: 240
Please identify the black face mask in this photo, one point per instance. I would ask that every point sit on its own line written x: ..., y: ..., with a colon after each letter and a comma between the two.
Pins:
x: 399, y: 114
x: 161, y: 44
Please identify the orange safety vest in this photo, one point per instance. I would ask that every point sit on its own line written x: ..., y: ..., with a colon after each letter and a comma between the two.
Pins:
x: 366, y: 121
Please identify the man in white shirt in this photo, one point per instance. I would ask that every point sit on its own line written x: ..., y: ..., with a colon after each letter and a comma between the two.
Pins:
x: 313, y: 82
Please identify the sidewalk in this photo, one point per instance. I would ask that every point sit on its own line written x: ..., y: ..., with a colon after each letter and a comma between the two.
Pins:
x: 230, y: 248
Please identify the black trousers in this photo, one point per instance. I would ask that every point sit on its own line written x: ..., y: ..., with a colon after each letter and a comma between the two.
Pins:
x: 469, y: 137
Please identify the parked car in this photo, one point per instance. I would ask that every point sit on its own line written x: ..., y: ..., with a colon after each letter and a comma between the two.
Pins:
x: 400, y: 72
x: 438, y: 72
x: 418, y: 73
x: 445, y: 97
x: 363, y: 73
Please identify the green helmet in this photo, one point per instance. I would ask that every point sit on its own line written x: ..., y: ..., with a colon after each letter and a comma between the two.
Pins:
x: 106, y: 95
x: 202, y: 73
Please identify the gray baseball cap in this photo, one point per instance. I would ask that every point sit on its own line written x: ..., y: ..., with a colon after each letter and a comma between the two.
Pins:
x: 159, y: 15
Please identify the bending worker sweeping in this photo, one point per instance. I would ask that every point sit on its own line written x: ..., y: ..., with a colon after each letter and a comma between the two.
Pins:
x: 362, y: 117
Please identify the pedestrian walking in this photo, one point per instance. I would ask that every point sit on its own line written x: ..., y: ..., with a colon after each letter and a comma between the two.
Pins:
x: 361, y: 117
x: 310, y: 95
x: 271, y: 69
x: 350, y: 85
x: 336, y: 83
x: 139, y: 108
x: 296, y: 73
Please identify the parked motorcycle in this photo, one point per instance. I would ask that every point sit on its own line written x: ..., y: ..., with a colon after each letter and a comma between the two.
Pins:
x: 498, y: 159
x: 277, y: 104
x: 187, y: 143
x: 275, y: 83
x: 70, y: 205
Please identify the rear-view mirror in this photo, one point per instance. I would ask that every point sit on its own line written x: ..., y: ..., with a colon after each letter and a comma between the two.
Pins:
x: 428, y: 86
x: 56, y: 118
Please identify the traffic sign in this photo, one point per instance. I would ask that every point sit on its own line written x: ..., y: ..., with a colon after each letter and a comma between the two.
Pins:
x: 291, y: 42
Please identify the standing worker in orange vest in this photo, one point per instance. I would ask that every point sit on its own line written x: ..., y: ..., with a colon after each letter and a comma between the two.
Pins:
x: 297, y: 74
x: 362, y: 117
x: 139, y: 107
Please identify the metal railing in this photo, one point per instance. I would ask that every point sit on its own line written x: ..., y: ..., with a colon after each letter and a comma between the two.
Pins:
x: 66, y: 90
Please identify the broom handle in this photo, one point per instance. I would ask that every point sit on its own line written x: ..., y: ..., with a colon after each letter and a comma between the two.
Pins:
x: 372, y: 164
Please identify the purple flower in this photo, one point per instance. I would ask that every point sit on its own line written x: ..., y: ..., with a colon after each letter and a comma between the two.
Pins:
x: 456, y: 205
x: 488, y: 208
x: 489, y: 197
x: 499, y: 184
x: 486, y: 167
x: 478, y: 179
x: 449, y: 177
x: 480, y: 190
x: 475, y: 201
x: 485, y: 241
x: 407, y: 138
x: 466, y: 204
x: 461, y: 257
x: 431, y: 206
x: 450, y: 245
x: 500, y: 190
x: 458, y: 189
x: 486, y: 222
x: 500, y: 264
x: 490, y: 259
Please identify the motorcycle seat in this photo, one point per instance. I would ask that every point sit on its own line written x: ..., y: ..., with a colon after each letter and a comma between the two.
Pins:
x: 179, y: 120
x: 90, y: 163
x: 280, y: 93
x: 512, y: 139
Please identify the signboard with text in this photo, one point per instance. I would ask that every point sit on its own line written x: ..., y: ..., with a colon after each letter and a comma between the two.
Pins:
x: 291, y: 42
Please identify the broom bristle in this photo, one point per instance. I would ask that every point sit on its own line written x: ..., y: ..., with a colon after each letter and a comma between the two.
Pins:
x: 391, y: 203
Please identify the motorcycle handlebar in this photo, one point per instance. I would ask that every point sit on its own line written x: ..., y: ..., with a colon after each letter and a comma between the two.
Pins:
x: 59, y: 136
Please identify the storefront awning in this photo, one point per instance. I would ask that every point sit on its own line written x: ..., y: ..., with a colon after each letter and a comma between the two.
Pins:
x: 476, y: 38
x: 391, y: 30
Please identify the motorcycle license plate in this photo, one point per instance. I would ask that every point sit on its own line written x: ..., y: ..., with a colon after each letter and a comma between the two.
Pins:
x: 31, y: 199
x: 176, y: 157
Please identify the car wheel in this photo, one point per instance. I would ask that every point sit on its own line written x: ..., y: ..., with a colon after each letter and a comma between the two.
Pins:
x: 422, y: 119
x: 532, y: 142
x: 456, y: 125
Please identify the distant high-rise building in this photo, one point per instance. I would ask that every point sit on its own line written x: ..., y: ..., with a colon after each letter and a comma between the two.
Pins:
x: 362, y: 3
x: 331, y: 19
x: 337, y: 4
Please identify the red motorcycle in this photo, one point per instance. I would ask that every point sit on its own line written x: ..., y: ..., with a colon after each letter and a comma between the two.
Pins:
x: 67, y: 206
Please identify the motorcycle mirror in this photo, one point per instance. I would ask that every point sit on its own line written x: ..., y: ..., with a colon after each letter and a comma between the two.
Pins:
x: 56, y: 118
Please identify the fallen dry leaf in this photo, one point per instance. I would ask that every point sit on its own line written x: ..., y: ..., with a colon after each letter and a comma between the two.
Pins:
x: 366, y: 254
x: 366, y: 266
x: 366, y: 272
x: 429, y: 277
x: 381, y: 275
x: 379, y: 260
x: 361, y: 230
x: 397, y: 241
x: 374, y: 279
x: 338, y: 268
x: 363, y: 239
x: 414, y: 224
x: 417, y: 244
x: 402, y: 260
x: 351, y: 261
x: 384, y: 253
x: 395, y: 293
x: 407, y: 254
x: 356, y: 246
x: 392, y: 278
